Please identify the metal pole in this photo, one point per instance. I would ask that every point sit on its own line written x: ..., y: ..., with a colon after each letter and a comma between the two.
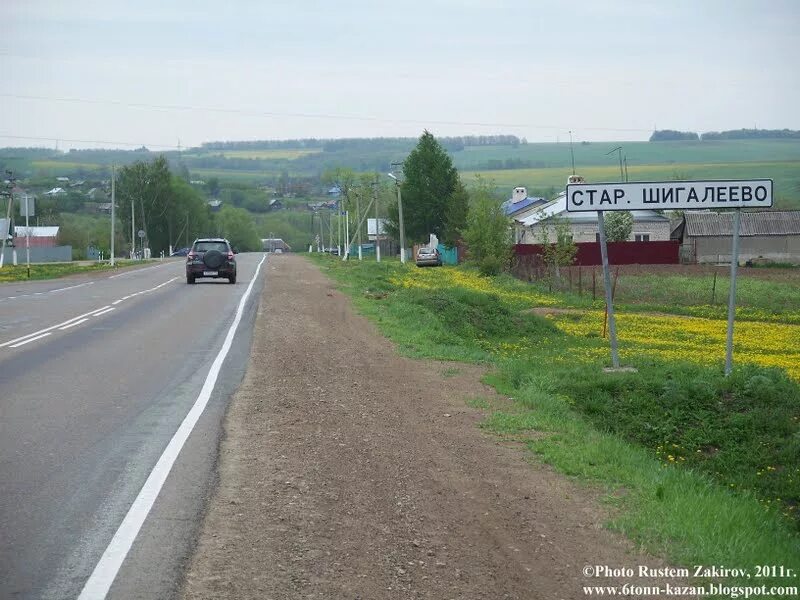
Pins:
x: 612, y: 324
x: 113, y: 202
x: 27, y: 236
x: 402, y: 226
x: 732, y: 298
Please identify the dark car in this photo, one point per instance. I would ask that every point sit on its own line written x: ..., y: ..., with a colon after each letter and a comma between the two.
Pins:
x: 211, y: 257
x: 428, y: 257
x: 180, y: 252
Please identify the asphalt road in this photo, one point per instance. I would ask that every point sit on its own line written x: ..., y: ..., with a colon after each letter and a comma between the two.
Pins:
x: 96, y: 376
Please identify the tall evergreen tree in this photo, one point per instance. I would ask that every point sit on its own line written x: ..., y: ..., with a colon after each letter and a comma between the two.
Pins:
x: 433, y: 197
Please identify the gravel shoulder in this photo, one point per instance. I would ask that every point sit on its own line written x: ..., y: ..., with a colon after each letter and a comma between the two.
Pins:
x: 348, y: 471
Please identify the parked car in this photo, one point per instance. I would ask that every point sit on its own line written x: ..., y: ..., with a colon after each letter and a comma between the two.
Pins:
x: 211, y: 257
x: 180, y: 252
x: 428, y: 257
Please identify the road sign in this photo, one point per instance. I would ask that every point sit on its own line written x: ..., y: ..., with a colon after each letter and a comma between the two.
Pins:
x: 141, y: 233
x: 27, y: 206
x: 670, y: 195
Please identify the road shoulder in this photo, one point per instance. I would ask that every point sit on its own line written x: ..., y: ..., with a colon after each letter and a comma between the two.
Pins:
x: 348, y: 471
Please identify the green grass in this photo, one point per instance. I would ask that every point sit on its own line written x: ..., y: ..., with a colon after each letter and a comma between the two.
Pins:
x: 700, y: 468
x: 51, y: 270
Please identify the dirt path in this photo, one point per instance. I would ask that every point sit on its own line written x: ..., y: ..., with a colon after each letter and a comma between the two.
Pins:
x: 348, y: 471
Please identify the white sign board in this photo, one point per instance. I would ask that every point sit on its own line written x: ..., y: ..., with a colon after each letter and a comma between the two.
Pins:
x: 670, y: 195
x: 27, y: 206
x: 371, y: 227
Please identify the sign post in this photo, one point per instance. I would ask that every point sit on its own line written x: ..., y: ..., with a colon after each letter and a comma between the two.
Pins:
x: 612, y: 324
x: 710, y: 194
x: 737, y: 216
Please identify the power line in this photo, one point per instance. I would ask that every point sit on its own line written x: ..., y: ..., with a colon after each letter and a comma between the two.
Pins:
x: 255, y: 113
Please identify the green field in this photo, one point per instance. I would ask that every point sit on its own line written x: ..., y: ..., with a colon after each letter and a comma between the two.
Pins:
x: 637, y: 153
x: 63, y: 167
x: 786, y: 175
x: 276, y: 154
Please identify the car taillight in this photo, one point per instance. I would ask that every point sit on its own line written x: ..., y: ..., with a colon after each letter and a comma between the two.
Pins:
x: 230, y: 255
x: 190, y: 256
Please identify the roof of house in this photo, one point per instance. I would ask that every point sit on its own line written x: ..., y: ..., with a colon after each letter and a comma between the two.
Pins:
x: 559, y: 207
x: 777, y: 222
x: 37, y: 232
x: 510, y: 207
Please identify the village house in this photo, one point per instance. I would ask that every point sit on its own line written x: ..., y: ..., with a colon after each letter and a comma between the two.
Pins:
x: 520, y: 205
x: 769, y: 236
x: 648, y: 225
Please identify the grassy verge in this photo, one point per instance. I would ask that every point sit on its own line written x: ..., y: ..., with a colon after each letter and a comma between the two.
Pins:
x: 52, y: 270
x: 704, y: 469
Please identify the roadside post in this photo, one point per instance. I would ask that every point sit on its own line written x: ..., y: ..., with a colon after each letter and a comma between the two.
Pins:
x: 28, y: 211
x: 113, y: 201
x: 737, y: 217
x: 612, y: 323
x: 711, y: 194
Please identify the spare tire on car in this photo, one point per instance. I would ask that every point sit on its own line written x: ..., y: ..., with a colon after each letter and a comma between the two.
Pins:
x: 213, y: 259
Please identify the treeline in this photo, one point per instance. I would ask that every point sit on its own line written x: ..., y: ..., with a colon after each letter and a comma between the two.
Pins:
x: 752, y: 134
x: 670, y: 135
x: 452, y: 144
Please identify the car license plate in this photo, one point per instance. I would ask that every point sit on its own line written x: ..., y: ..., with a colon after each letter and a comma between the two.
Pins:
x: 209, y: 273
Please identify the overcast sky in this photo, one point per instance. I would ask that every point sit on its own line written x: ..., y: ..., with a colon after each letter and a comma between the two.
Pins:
x: 159, y: 72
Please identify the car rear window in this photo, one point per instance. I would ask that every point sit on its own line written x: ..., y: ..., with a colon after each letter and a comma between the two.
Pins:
x: 206, y: 246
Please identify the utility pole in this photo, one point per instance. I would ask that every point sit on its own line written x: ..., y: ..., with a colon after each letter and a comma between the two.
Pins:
x: 400, y: 216
x: 27, y: 235
x: 10, y: 195
x: 133, y: 231
x: 572, y: 152
x: 377, y: 221
x: 113, y: 202
x: 618, y: 150
x: 358, y: 221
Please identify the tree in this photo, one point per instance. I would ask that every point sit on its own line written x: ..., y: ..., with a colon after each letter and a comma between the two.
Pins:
x: 619, y: 225
x: 162, y: 205
x: 237, y: 226
x: 488, y: 230
x: 430, y: 193
x: 558, y: 247
x: 146, y: 186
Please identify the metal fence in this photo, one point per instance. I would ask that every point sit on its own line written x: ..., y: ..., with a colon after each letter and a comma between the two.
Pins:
x: 39, y: 254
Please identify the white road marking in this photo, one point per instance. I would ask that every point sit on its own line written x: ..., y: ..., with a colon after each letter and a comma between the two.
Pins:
x: 133, y: 271
x: 106, y: 570
x: 35, y: 333
x: 102, y: 312
x: 64, y: 289
x: 33, y: 339
x: 70, y: 325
